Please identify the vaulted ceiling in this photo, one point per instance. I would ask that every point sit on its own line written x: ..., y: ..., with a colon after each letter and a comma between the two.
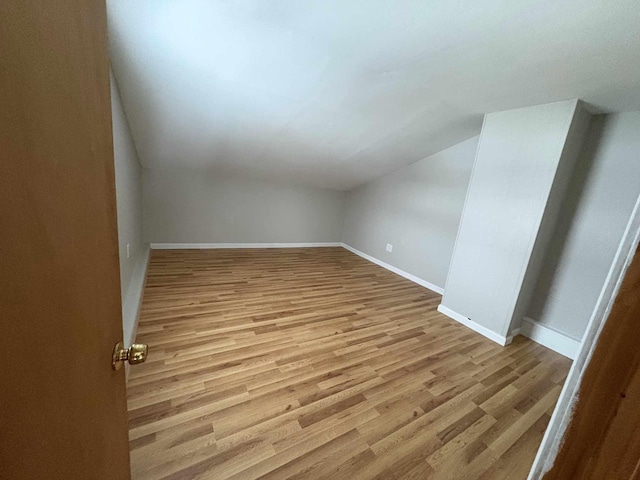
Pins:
x: 334, y: 93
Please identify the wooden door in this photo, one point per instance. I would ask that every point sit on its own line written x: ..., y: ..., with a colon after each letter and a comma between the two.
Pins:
x: 62, y: 407
x: 603, y: 437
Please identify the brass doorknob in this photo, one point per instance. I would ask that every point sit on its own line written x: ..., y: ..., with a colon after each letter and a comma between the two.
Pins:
x: 136, y: 353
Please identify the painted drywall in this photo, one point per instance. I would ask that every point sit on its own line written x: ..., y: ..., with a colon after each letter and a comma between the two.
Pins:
x: 603, y: 192
x: 335, y: 93
x: 196, y: 206
x: 416, y: 209
x: 556, y: 203
x: 129, y: 205
x: 519, y: 152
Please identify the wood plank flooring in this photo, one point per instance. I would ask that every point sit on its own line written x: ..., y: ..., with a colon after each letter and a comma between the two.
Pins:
x: 314, y: 363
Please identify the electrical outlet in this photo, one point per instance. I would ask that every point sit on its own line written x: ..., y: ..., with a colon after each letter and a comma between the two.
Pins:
x: 389, y: 247
x: 128, y: 250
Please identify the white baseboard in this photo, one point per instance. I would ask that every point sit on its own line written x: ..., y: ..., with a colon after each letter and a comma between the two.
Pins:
x: 491, y: 335
x: 132, y: 302
x: 188, y: 246
x: 513, y: 334
x: 402, y: 273
x: 537, y: 332
x: 556, y: 341
x: 530, y: 328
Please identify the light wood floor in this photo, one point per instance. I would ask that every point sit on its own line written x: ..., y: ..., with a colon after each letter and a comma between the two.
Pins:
x: 314, y: 363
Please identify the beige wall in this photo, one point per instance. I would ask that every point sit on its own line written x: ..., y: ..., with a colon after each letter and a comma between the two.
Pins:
x: 416, y: 209
x: 193, y: 206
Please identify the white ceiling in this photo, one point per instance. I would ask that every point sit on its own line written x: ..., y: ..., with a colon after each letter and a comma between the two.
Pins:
x: 334, y: 93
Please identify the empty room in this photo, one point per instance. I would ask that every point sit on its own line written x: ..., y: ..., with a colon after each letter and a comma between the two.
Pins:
x: 320, y: 240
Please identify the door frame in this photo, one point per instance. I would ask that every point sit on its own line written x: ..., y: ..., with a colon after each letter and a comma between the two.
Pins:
x: 563, y: 413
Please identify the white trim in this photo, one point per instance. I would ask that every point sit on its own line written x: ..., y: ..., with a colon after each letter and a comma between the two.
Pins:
x: 133, y: 300
x: 550, y: 338
x: 182, y: 246
x: 563, y: 412
x: 143, y: 274
x: 513, y: 334
x: 402, y: 273
x: 476, y: 327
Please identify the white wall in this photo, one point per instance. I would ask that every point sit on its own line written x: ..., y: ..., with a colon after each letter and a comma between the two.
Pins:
x: 514, y: 176
x: 129, y: 205
x: 416, y: 209
x: 603, y: 192
x: 195, y: 206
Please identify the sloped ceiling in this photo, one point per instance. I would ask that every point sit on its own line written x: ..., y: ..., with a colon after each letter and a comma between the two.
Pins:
x: 334, y: 93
